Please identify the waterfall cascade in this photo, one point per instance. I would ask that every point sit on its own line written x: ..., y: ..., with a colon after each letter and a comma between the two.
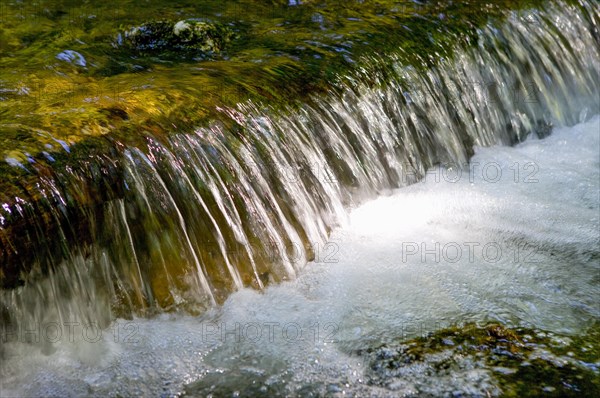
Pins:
x: 195, y: 216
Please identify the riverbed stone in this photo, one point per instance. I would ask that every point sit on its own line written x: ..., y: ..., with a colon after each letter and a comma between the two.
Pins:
x: 490, y: 360
x: 186, y: 37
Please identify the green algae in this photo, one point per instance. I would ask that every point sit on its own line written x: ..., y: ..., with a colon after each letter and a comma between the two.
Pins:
x: 270, y: 52
x: 518, y: 362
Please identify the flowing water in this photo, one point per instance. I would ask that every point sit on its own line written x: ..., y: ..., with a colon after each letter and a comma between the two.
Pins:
x: 209, y: 218
x: 509, y: 244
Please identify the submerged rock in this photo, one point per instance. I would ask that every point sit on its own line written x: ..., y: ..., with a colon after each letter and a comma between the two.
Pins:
x: 488, y: 361
x: 188, y: 37
x: 72, y: 57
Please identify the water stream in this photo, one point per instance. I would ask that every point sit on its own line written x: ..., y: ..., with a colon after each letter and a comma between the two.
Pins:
x: 220, y: 223
x: 508, y: 244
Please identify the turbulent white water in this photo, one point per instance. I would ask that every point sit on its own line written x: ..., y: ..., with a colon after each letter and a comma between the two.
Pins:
x: 511, y: 237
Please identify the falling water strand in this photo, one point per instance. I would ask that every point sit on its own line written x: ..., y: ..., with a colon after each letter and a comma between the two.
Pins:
x: 206, y: 212
x: 201, y: 275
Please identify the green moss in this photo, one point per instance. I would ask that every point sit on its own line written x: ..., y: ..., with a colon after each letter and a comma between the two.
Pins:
x: 522, y: 362
x: 180, y: 60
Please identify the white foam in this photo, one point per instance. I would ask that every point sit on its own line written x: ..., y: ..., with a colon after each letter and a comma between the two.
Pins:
x: 371, y: 285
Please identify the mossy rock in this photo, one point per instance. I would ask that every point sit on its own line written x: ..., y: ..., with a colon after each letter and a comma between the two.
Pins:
x: 491, y: 360
x: 186, y: 38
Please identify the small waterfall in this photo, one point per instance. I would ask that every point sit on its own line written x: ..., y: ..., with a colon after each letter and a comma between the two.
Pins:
x: 248, y: 200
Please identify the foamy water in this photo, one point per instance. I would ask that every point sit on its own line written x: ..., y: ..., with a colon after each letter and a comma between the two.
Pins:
x: 511, y: 237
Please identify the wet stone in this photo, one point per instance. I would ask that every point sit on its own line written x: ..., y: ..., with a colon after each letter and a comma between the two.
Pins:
x: 188, y: 37
x: 72, y: 57
x: 490, y: 360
